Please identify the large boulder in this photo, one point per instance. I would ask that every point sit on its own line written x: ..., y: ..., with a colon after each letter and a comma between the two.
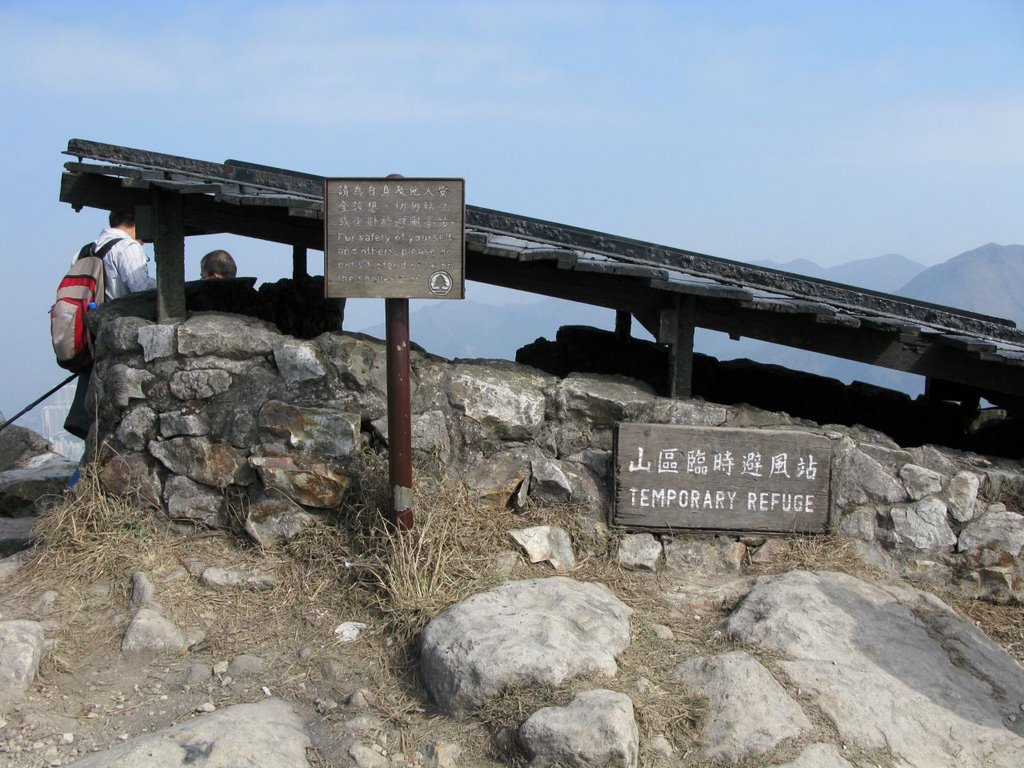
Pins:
x: 922, y: 526
x: 310, y: 484
x: 505, y: 401
x: 1000, y: 531
x: 205, y: 461
x: 317, y: 431
x: 223, y: 335
x: 18, y: 445
x: 534, y: 632
x: 890, y: 668
x: 42, y: 476
x: 862, y: 479
x: 269, y: 734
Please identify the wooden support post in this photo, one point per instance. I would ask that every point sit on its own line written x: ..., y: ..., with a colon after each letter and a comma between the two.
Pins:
x: 169, y: 245
x: 677, y: 326
x: 623, y: 325
x: 300, y: 267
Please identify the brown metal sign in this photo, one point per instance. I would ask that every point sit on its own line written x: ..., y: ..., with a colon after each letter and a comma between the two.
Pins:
x: 711, y: 478
x: 398, y: 238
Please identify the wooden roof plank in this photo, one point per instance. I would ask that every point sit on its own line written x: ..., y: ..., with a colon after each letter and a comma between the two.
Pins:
x: 108, y: 170
x: 623, y: 270
x: 117, y: 155
x: 694, y: 288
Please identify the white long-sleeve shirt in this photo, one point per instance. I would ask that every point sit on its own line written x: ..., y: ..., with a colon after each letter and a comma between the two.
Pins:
x: 126, y: 266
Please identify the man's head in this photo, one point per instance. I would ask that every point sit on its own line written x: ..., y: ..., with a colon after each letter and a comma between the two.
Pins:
x: 124, y: 221
x: 217, y: 264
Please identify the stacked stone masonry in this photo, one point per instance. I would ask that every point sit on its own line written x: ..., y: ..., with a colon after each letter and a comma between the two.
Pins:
x: 221, y: 413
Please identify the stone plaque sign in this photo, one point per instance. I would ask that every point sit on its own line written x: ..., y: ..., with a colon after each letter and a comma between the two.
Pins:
x: 394, y: 238
x: 712, y: 478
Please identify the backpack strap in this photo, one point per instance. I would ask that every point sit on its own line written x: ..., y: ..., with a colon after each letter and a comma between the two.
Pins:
x: 90, y: 249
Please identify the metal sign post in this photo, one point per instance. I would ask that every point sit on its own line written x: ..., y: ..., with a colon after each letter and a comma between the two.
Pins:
x: 395, y: 239
x: 396, y: 312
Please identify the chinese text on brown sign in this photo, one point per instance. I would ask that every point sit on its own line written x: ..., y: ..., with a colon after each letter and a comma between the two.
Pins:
x: 394, y: 238
x: 674, y: 478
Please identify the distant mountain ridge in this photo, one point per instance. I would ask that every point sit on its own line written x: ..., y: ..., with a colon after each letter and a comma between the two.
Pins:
x: 888, y: 273
x: 987, y: 280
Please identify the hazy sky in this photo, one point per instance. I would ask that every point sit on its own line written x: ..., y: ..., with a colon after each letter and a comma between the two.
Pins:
x: 755, y: 130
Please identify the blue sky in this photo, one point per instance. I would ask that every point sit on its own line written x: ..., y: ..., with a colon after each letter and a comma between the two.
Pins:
x: 830, y: 131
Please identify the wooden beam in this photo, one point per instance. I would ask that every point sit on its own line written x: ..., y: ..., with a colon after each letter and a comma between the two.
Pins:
x: 204, y: 215
x: 913, y: 354
x: 169, y: 245
x: 938, y: 389
x: 623, y: 326
x: 544, y: 278
x: 300, y: 267
x: 677, y: 328
x: 100, y: 192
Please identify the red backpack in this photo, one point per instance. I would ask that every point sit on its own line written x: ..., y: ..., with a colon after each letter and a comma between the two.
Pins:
x: 79, y: 290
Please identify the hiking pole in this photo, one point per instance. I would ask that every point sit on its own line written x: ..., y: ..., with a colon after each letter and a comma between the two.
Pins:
x: 34, y: 403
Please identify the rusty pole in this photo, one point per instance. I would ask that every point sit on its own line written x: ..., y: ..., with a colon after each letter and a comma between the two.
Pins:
x: 399, y: 412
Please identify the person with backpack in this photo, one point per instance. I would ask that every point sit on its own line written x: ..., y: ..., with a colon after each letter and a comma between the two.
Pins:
x: 126, y: 265
x: 125, y: 271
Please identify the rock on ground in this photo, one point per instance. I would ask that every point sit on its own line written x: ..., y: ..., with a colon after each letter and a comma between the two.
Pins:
x: 750, y: 712
x: 268, y: 734
x: 819, y: 756
x: 21, y: 648
x: 149, y: 632
x: 597, y: 728
x: 534, y: 632
x: 891, y: 668
x: 640, y: 551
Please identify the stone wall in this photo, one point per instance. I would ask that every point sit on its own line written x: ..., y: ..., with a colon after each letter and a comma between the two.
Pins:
x: 223, y: 421
x: 909, y: 421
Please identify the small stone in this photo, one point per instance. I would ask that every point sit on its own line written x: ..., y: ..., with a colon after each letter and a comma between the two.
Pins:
x: 197, y: 674
x: 770, y: 551
x: 920, y: 481
x: 662, y: 632
x: 365, y: 757
x: 441, y: 754
x: 360, y: 723
x: 546, y: 542
x: 220, y: 668
x: 245, y: 664
x: 67, y: 738
x: 660, y: 746
x: 963, y: 494
x: 349, y: 631
x: 206, y: 707
x: 323, y: 706
x: 142, y: 589
x: 252, y: 579
x: 640, y: 551
x: 361, y: 699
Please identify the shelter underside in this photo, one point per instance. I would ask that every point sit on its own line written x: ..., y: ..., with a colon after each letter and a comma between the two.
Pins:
x: 963, y: 355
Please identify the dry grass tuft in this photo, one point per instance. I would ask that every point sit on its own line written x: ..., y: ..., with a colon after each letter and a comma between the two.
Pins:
x: 825, y: 552
x: 88, y: 535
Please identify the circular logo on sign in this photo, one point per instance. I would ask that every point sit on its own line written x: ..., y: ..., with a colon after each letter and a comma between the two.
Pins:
x: 440, y: 283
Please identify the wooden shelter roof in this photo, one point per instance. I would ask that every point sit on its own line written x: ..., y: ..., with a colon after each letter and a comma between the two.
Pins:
x: 669, y: 290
